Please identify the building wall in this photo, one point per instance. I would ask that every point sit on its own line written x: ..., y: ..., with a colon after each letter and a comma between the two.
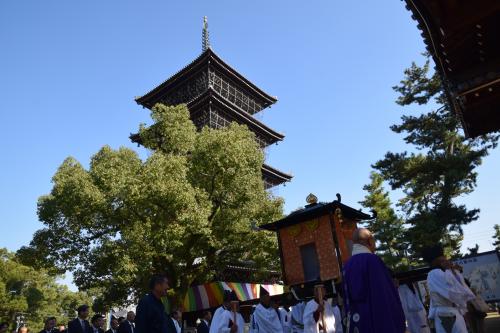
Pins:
x: 317, y: 231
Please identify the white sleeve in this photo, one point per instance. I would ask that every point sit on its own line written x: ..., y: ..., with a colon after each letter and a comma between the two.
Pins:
x: 310, y: 323
x: 267, y: 320
x: 338, y: 320
x: 215, y: 320
x: 222, y: 325
x: 445, y: 285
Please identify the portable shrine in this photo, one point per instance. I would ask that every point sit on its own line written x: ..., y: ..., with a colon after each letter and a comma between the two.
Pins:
x: 315, y: 241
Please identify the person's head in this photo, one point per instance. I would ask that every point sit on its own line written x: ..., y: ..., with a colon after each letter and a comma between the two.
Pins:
x: 457, y: 267
x: 98, y: 321
x: 234, y: 304
x: 83, y: 311
x: 363, y: 236
x: 226, y: 299
x: 176, y: 314
x: 50, y: 323
x: 131, y: 316
x: 114, y: 323
x: 62, y: 328
x: 4, y: 327
x: 287, y: 300
x: 207, y: 315
x: 121, y: 320
x: 159, y: 285
x: 265, y: 298
x: 434, y: 255
x: 22, y: 329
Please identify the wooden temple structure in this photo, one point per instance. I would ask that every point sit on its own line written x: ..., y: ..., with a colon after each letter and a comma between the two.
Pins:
x: 463, y: 39
x: 216, y: 95
x: 315, y: 242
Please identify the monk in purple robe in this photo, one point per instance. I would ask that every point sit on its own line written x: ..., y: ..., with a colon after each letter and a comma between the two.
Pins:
x: 372, y: 302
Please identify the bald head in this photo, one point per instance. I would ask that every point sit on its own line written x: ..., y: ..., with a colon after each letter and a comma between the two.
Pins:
x: 364, y: 237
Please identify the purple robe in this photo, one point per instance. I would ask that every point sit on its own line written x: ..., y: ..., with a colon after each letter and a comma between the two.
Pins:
x: 373, y: 301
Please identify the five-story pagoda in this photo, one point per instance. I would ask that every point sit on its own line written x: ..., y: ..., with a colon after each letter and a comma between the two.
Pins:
x: 217, y: 95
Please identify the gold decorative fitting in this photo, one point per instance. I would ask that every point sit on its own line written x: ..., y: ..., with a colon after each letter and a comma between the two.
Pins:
x: 295, y: 230
x: 312, y: 199
x: 312, y: 225
x: 338, y: 213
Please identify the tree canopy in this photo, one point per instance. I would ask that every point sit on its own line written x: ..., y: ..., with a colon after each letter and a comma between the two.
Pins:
x: 186, y: 210
x: 496, y: 237
x: 34, y: 294
x: 439, y: 166
x: 387, y: 227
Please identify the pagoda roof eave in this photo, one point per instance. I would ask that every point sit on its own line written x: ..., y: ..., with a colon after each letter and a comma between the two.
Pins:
x: 241, y: 115
x: 269, y: 170
x: 206, y: 58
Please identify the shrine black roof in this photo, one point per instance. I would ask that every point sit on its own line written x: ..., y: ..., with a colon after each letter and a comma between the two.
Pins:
x: 313, y: 211
x: 204, y: 60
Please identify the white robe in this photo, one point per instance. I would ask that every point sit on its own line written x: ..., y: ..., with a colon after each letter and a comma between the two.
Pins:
x: 298, y: 317
x: 448, y: 296
x: 217, y: 320
x: 338, y: 319
x: 332, y: 318
x: 286, y: 320
x: 416, y: 316
x: 265, y: 320
x: 228, y: 317
x: 459, y: 279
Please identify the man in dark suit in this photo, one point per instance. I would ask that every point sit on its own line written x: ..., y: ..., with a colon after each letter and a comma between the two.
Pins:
x: 4, y: 327
x: 97, y: 323
x: 127, y: 326
x: 204, y: 325
x: 80, y: 324
x: 50, y: 323
x: 151, y: 316
x: 114, y: 326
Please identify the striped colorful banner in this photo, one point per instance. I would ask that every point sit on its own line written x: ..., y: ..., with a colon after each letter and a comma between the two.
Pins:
x: 209, y: 295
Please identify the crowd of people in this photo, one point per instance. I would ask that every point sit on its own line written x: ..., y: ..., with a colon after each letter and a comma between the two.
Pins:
x: 373, y: 302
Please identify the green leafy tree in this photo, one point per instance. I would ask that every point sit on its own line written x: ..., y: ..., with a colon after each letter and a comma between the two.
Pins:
x: 35, y: 294
x: 473, y: 250
x: 496, y: 237
x: 185, y: 211
x: 440, y: 167
x: 387, y: 227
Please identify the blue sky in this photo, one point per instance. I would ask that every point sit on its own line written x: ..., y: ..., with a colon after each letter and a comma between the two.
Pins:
x: 69, y: 72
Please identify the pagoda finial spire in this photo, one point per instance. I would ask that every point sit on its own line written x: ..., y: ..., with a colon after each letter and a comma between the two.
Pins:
x: 205, y: 43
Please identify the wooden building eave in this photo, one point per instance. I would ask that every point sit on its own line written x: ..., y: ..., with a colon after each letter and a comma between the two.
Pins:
x: 462, y: 38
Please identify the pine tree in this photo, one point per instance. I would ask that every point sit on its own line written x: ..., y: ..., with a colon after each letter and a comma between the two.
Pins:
x: 387, y: 227
x: 439, y: 167
x: 496, y: 236
x: 473, y: 250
